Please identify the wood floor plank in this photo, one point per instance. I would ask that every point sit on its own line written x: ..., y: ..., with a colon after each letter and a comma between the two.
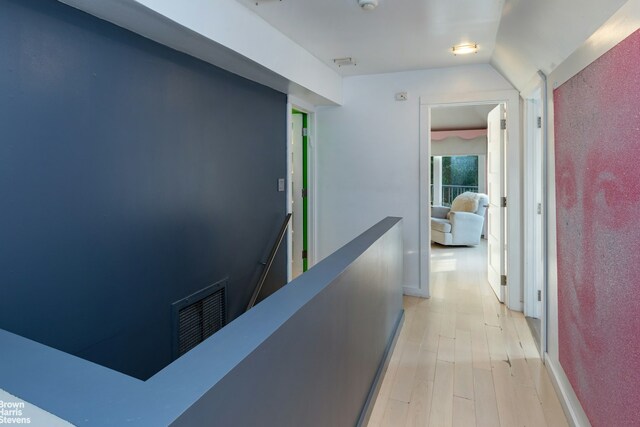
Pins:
x: 463, y: 369
x: 420, y: 405
x: 426, y: 369
x: 485, y: 402
x: 529, y: 406
x: 446, y: 349
x: 396, y: 414
x: 448, y: 327
x: 406, y: 373
x: 526, y: 339
x: 464, y: 414
x: 418, y: 326
x: 553, y: 413
x: 480, y: 349
x: 431, y: 337
x: 497, y: 346
x: 442, y: 401
x: 505, y: 395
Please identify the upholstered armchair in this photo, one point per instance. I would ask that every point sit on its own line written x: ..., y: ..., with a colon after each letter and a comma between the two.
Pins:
x: 460, y: 225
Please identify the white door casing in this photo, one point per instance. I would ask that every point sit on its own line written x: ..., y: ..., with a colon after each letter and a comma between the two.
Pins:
x: 534, y: 231
x: 511, y: 99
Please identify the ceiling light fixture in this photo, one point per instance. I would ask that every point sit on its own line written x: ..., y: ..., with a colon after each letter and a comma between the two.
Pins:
x: 465, y: 49
x: 368, y: 4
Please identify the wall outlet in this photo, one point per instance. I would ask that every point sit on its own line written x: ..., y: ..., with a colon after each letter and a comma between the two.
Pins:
x: 280, y: 184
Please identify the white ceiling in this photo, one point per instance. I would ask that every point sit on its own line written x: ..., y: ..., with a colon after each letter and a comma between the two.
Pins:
x: 541, y: 34
x: 398, y: 35
x: 460, y: 117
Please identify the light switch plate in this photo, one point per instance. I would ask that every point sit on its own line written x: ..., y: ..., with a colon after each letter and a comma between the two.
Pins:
x: 280, y: 184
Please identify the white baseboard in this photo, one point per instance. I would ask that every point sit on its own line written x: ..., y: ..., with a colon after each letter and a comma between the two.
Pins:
x: 568, y: 399
x: 415, y: 292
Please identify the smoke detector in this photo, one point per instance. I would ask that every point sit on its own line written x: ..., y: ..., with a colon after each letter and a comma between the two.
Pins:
x: 368, y: 4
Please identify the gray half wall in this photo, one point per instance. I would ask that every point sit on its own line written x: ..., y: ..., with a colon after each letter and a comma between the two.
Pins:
x: 308, y: 355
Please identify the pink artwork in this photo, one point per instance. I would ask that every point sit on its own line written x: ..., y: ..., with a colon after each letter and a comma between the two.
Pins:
x: 597, y: 148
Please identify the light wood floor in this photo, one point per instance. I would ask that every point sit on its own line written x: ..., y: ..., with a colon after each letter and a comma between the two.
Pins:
x: 463, y: 359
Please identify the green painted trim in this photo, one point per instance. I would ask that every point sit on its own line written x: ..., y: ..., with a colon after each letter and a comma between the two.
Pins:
x: 305, y: 200
x: 305, y: 182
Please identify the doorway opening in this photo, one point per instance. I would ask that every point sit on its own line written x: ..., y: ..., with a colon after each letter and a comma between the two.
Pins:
x: 480, y: 166
x: 460, y: 179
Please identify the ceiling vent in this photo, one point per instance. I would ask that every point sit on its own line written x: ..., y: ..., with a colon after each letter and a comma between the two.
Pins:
x: 344, y: 62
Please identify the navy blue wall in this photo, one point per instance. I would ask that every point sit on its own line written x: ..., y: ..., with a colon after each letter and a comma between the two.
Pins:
x: 131, y: 175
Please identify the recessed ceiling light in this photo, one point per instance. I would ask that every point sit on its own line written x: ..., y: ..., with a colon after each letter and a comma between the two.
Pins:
x: 464, y: 49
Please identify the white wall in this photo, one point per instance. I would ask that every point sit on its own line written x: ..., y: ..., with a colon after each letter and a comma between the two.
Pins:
x: 539, y: 35
x: 368, y: 153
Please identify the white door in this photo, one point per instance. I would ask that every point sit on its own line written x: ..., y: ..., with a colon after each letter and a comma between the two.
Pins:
x: 296, y: 196
x: 496, y: 190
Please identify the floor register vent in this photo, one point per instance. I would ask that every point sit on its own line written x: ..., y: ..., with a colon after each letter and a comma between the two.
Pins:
x: 198, y: 316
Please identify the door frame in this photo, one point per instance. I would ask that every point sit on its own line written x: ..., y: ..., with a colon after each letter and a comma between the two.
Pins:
x: 533, y: 158
x: 308, y: 109
x: 511, y: 99
x: 539, y: 86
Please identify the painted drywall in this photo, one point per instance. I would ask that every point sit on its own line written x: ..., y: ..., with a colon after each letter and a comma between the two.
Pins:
x: 535, y: 35
x: 291, y: 356
x: 598, y: 199
x: 226, y: 34
x: 368, y: 153
x: 131, y: 176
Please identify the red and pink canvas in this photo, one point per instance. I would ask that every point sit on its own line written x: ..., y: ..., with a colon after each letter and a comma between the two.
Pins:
x: 597, y: 148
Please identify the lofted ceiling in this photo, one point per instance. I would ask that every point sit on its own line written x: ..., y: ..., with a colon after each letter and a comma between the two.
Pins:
x: 398, y: 35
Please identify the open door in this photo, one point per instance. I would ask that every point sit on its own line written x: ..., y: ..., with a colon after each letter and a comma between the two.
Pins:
x: 496, y: 189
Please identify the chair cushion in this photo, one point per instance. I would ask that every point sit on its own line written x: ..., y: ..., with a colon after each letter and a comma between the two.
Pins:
x: 441, y: 225
x: 465, y: 202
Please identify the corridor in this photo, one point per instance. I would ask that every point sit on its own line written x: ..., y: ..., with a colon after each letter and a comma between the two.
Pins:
x: 462, y: 358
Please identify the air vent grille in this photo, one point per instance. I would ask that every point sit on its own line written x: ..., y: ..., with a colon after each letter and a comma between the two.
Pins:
x: 198, y: 316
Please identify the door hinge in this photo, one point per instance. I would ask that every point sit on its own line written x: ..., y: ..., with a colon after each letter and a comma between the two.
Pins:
x: 304, y: 254
x: 503, y: 202
x: 304, y: 192
x: 539, y: 122
x: 305, y: 132
x: 539, y: 208
x: 539, y: 295
x: 503, y: 280
x: 503, y: 124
